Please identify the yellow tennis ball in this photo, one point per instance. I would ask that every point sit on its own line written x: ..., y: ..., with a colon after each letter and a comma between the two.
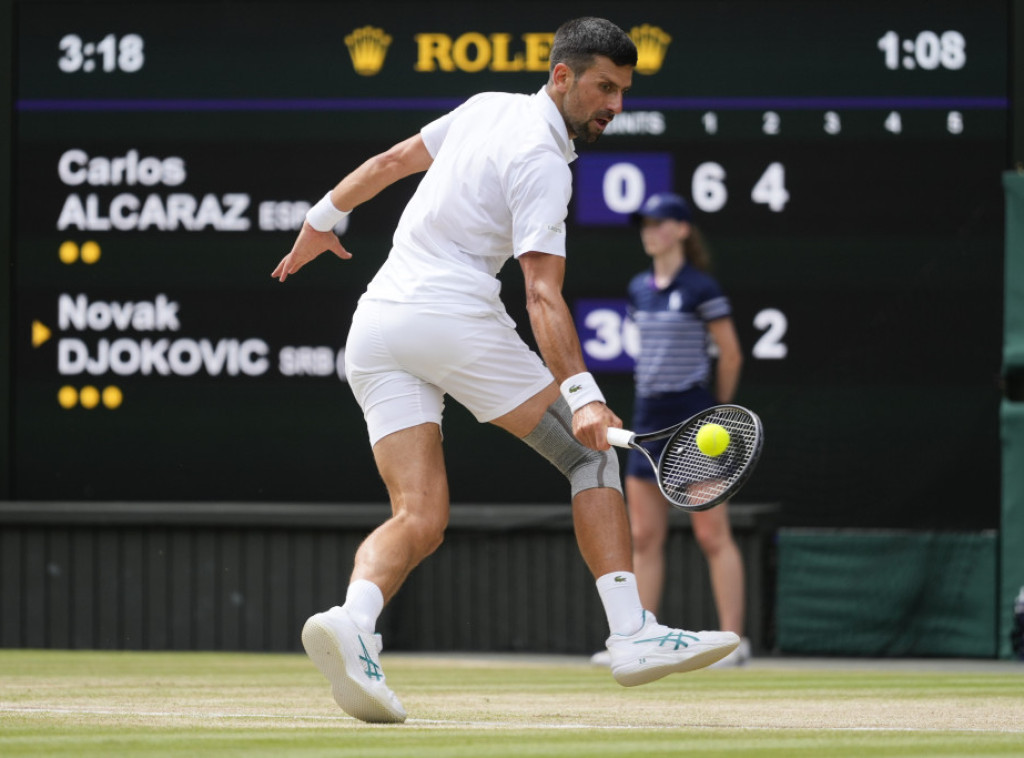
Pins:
x: 712, y: 440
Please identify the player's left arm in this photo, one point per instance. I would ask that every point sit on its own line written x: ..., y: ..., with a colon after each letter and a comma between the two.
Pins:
x: 559, y: 343
x: 365, y: 182
x: 730, y: 358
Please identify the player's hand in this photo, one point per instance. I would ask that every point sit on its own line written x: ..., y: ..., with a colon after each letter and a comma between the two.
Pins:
x: 308, y: 245
x: 590, y: 425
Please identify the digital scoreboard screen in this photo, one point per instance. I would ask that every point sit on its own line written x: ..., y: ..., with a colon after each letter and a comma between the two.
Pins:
x: 843, y: 161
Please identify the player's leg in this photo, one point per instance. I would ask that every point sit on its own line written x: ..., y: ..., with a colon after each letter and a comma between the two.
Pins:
x: 403, y: 416
x: 342, y: 641
x: 648, y: 517
x: 411, y: 463
x: 599, y: 514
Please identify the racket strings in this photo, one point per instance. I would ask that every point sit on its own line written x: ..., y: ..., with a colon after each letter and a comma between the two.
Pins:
x: 689, y: 477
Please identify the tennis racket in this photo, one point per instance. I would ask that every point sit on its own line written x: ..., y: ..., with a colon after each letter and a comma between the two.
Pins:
x: 688, y: 478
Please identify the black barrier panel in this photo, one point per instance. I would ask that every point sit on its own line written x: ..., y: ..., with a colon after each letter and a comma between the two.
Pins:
x: 842, y: 158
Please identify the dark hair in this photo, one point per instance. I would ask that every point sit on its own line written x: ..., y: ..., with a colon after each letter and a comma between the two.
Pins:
x: 695, y: 248
x: 577, y: 42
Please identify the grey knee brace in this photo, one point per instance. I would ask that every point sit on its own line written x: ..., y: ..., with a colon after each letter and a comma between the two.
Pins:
x: 583, y: 467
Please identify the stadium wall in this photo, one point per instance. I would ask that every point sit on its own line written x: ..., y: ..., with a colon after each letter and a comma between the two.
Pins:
x: 887, y: 593
x: 245, y: 577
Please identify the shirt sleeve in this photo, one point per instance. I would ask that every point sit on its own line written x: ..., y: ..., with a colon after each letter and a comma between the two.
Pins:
x: 713, y: 303
x: 538, y: 190
x: 433, y: 134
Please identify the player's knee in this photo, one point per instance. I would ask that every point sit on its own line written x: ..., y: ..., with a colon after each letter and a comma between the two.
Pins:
x: 594, y: 468
x: 423, y: 532
x: 584, y: 468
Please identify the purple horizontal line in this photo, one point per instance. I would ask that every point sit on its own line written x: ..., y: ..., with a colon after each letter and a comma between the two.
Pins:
x: 817, y: 103
x: 444, y: 103
x: 244, y: 104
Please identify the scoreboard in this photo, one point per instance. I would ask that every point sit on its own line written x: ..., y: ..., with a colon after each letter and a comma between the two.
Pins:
x: 843, y: 161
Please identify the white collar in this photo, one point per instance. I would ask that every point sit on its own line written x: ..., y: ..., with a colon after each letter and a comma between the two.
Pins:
x: 554, y: 118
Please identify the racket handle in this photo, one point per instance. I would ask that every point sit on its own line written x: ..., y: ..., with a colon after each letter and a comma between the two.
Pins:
x: 620, y: 437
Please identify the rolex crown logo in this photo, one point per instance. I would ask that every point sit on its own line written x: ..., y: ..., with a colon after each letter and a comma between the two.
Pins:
x: 368, y: 46
x: 651, y: 45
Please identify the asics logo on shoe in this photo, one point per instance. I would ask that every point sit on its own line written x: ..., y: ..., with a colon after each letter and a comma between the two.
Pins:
x: 372, y: 670
x: 676, y: 638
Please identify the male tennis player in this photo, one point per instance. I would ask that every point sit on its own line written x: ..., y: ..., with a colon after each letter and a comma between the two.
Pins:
x: 431, y: 323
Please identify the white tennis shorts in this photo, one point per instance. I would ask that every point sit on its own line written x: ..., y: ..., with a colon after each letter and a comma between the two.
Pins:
x: 401, y: 359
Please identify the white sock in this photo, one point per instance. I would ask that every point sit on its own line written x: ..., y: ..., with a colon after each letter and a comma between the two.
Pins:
x: 621, y: 600
x: 364, y: 602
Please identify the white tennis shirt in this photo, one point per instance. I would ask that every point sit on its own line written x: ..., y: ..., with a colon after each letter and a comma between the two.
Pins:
x: 499, y: 187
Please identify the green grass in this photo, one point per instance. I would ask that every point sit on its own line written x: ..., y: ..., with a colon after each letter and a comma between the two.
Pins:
x: 57, y: 703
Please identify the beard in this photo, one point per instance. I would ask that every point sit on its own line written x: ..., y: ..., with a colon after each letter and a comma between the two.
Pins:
x: 585, y: 131
x: 583, y: 127
x: 588, y: 130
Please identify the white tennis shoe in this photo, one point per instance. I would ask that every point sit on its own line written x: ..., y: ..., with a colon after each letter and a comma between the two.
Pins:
x: 656, y: 651
x: 350, y: 659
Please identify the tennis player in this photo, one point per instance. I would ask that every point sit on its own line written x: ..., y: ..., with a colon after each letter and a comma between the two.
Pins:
x: 431, y: 323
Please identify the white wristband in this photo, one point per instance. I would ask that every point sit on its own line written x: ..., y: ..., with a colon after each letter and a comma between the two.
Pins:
x: 324, y: 216
x: 581, y: 389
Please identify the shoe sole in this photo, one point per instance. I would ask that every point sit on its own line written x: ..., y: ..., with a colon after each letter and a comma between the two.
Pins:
x: 323, y: 649
x: 655, y: 671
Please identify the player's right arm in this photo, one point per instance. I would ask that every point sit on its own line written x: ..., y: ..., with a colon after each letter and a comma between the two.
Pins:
x: 365, y: 182
x: 559, y: 343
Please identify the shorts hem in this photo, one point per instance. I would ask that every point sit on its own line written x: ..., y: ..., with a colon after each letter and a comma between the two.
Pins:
x: 515, y: 402
x: 380, y: 433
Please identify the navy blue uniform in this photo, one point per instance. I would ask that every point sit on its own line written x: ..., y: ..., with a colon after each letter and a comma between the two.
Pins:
x: 673, y: 367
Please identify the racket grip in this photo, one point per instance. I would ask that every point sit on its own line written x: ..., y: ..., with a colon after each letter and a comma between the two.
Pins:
x: 620, y: 437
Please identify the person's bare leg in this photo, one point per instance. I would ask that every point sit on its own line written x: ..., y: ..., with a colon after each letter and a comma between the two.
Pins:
x: 599, y: 514
x: 411, y: 462
x: 602, y: 530
x: 648, y: 516
x: 725, y: 564
x: 340, y: 641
